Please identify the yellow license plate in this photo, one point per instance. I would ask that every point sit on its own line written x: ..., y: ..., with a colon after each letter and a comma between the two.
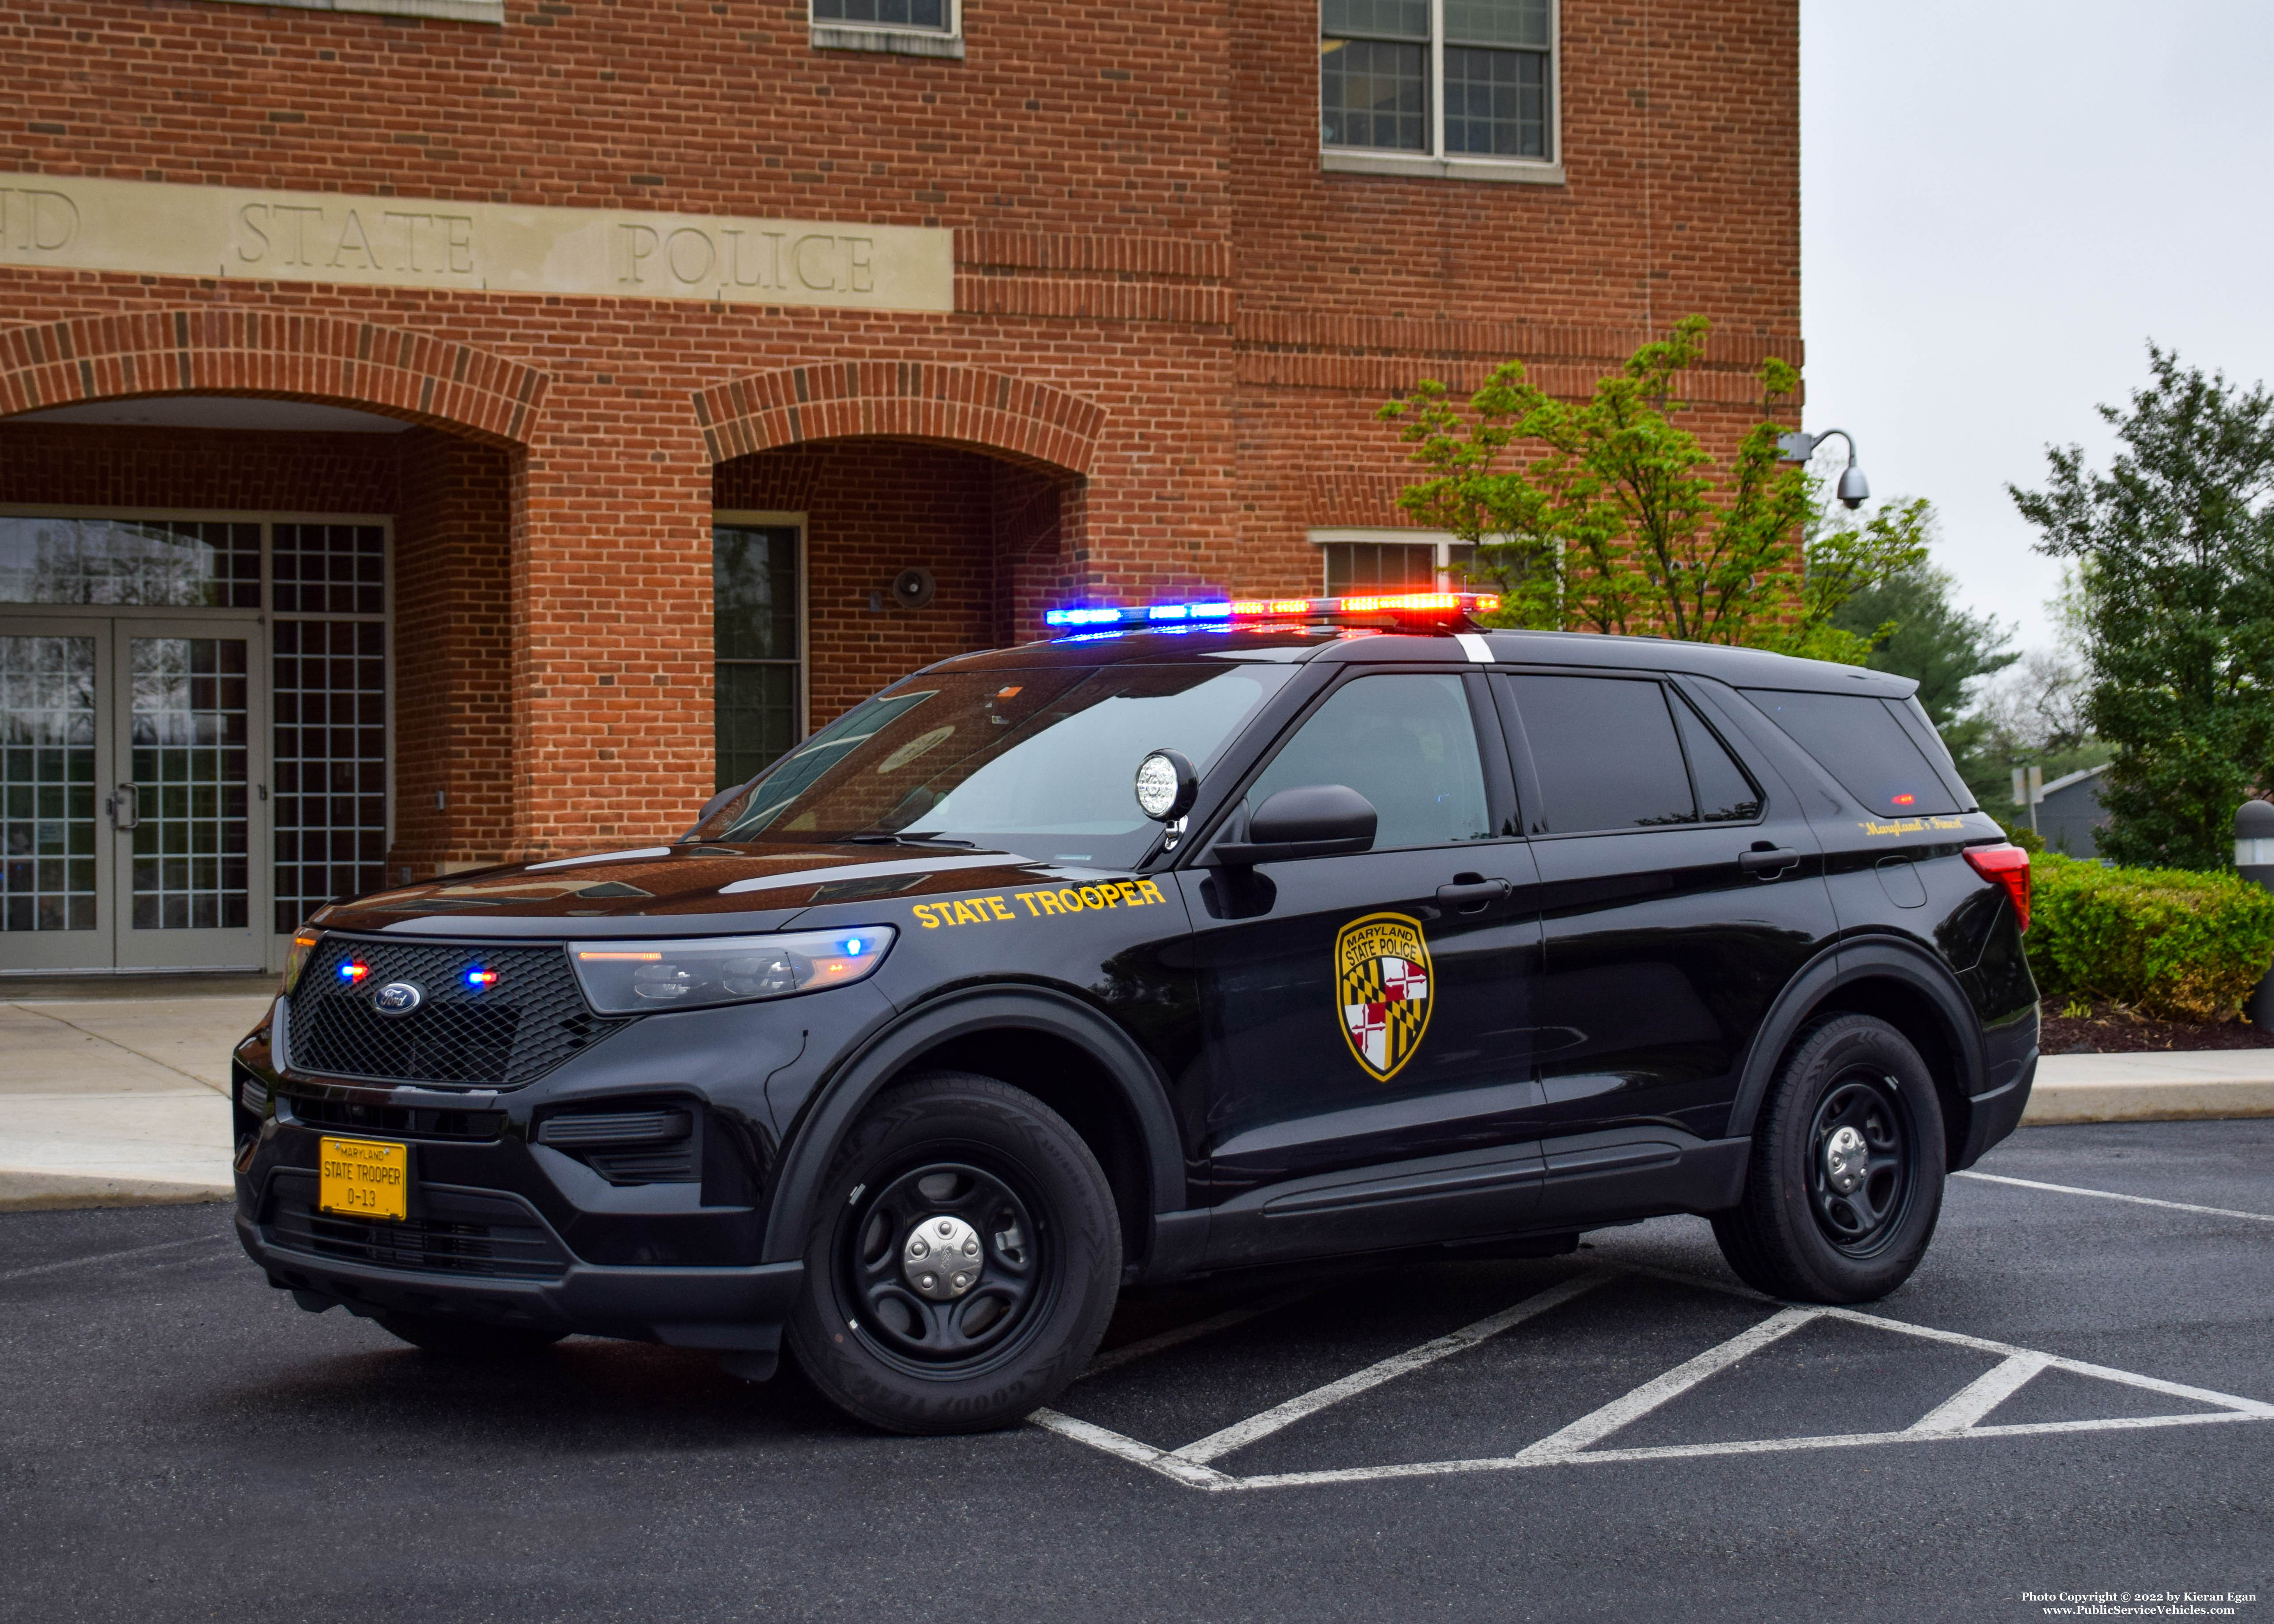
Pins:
x: 367, y: 1177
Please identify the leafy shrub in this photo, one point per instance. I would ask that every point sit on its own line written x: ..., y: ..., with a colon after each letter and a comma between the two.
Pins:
x: 2175, y: 944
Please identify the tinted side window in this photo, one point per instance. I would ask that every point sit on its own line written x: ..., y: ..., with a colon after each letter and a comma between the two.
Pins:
x: 1407, y: 744
x: 1605, y: 750
x: 1724, y: 794
x: 1857, y: 739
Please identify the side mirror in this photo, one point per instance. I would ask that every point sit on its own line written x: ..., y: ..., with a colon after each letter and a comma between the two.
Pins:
x: 1317, y: 820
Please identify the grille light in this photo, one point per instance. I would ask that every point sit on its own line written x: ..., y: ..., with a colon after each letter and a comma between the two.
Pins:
x: 481, y: 980
x: 1424, y: 606
x: 353, y: 970
x: 622, y: 980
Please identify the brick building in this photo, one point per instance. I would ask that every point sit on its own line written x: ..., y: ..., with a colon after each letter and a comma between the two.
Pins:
x: 435, y: 430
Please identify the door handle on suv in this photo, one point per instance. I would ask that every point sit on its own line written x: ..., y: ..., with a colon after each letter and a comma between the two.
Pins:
x: 1469, y: 892
x: 1767, y: 861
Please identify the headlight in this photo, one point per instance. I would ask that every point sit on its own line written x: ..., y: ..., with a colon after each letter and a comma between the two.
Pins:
x: 633, y: 977
x: 304, y: 943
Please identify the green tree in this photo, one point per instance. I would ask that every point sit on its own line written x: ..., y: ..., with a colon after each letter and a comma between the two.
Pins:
x: 2174, y: 550
x: 1616, y: 522
x: 1916, y: 629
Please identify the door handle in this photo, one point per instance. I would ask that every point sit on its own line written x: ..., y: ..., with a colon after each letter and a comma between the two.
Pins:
x: 124, y: 807
x: 1469, y: 892
x: 1767, y: 861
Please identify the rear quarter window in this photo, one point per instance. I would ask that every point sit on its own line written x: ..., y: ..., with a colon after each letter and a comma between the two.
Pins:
x: 1860, y: 741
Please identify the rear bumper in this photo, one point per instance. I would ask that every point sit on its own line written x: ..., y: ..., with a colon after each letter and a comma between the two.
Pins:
x: 738, y: 1308
x: 1997, y: 1113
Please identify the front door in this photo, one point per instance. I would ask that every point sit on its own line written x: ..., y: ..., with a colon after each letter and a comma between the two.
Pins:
x: 131, y: 806
x: 1373, y: 1009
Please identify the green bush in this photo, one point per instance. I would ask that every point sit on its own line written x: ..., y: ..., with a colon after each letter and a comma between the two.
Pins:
x: 2173, y: 944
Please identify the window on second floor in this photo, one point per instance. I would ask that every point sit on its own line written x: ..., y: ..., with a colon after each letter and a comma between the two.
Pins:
x: 1467, y: 81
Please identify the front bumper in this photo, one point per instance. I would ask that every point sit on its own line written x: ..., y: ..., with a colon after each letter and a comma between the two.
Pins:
x: 738, y: 1310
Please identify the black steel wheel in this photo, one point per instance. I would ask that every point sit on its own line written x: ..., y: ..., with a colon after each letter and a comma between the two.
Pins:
x: 1859, y: 1165
x: 1845, y: 1183
x: 964, y: 1264
x: 947, y: 1258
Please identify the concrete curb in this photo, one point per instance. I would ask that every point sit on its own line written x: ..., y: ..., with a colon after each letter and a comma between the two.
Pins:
x: 2066, y: 1103
x: 49, y: 1192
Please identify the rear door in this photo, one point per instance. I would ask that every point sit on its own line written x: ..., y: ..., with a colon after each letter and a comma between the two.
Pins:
x: 1375, y: 1008
x: 1681, y: 888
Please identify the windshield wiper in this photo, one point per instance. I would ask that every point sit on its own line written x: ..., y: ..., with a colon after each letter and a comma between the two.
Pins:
x: 907, y: 839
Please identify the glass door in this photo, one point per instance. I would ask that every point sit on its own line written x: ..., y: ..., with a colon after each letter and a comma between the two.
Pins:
x: 184, y: 804
x: 55, y: 850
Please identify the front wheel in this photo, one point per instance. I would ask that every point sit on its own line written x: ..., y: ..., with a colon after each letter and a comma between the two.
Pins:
x: 964, y: 1265
x: 1847, y: 1175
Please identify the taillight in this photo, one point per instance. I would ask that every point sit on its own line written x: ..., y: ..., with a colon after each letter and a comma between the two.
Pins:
x: 2008, y: 866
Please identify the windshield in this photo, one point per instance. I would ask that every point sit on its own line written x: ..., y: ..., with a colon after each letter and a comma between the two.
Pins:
x: 1040, y: 763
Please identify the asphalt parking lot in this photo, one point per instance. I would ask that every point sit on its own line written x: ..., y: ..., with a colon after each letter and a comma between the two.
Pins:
x: 2074, y: 1395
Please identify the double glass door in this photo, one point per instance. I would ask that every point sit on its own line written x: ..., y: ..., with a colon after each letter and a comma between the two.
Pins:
x: 133, y: 799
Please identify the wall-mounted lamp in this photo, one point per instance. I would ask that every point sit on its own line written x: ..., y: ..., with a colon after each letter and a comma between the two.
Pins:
x: 1852, y: 489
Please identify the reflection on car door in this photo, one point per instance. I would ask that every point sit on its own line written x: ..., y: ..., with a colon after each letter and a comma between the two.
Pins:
x: 1375, y: 1008
x: 1680, y: 890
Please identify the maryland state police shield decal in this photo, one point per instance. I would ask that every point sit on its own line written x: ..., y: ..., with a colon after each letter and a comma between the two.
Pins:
x: 1381, y: 984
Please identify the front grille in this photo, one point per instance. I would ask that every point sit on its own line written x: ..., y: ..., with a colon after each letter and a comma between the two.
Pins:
x: 458, y: 1232
x: 404, y: 1121
x: 512, y: 1031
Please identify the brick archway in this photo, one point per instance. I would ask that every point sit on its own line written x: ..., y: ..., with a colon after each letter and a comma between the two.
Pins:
x: 391, y: 371
x: 1015, y: 417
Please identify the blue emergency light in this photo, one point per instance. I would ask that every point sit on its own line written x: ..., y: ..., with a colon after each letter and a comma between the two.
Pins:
x: 1429, y: 606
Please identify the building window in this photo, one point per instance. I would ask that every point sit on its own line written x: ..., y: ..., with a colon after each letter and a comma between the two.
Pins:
x: 908, y: 27
x: 1391, y: 561
x: 1462, y: 85
x: 757, y: 638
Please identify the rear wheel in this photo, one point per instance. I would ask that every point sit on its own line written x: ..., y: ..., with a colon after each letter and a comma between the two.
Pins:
x: 469, y: 1339
x: 1847, y: 1175
x: 965, y: 1263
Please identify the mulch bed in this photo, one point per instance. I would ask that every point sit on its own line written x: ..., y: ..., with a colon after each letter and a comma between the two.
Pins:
x: 2112, y: 1029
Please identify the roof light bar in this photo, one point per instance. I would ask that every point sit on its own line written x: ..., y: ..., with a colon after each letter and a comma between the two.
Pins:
x: 1427, y: 606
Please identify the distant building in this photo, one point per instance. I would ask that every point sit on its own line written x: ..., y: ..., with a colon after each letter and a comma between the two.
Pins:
x: 2070, y: 817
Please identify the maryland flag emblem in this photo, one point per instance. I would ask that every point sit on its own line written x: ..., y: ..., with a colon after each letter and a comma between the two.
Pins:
x: 1381, y: 981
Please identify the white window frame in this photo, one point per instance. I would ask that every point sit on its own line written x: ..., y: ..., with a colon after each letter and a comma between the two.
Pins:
x: 1442, y: 541
x: 898, y: 39
x: 1435, y: 164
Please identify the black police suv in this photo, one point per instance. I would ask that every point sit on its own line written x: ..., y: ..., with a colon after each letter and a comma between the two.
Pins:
x: 1157, y: 949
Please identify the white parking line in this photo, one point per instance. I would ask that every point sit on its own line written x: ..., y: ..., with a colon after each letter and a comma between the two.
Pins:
x: 1240, y: 1434
x: 1600, y: 1424
x: 108, y: 1257
x: 1960, y: 1416
x: 2110, y: 1195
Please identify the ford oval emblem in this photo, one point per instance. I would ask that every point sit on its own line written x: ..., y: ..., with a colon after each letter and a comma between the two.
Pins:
x: 398, y: 997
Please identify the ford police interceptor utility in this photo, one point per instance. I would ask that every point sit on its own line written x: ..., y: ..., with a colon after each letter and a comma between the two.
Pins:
x: 1204, y: 937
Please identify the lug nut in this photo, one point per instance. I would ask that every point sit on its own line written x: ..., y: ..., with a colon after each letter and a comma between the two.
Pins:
x: 947, y: 1226
x: 916, y: 1247
x: 971, y: 1248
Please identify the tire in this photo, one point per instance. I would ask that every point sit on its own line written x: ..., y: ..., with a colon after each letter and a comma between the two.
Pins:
x: 469, y: 1339
x: 1847, y: 1169
x: 900, y: 1347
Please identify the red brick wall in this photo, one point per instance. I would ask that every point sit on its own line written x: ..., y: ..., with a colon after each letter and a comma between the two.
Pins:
x: 235, y: 470
x: 1142, y: 222
x: 453, y: 663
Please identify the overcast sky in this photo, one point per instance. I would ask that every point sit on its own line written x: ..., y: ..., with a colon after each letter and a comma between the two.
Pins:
x: 2001, y: 204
